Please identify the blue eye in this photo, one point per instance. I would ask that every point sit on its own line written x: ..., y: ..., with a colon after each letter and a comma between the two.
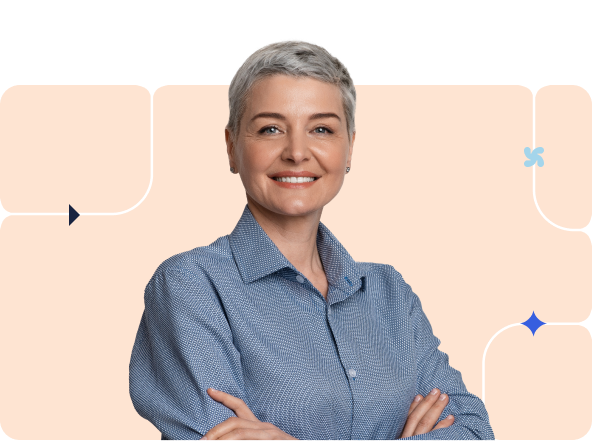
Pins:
x: 264, y: 129
x: 326, y: 130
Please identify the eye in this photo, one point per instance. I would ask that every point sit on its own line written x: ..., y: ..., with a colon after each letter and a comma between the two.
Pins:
x: 265, y: 129
x: 324, y: 129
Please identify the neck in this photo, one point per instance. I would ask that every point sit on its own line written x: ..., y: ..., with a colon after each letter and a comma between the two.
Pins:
x: 295, y: 236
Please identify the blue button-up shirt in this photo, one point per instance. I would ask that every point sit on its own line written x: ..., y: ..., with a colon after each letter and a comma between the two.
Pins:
x: 237, y: 316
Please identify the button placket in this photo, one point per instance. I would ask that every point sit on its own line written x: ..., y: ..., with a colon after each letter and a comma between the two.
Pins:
x: 346, y: 354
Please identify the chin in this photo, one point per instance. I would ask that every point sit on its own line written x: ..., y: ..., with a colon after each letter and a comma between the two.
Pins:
x: 297, y: 209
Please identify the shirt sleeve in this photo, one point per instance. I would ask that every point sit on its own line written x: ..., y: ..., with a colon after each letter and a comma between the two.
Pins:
x: 471, y: 420
x: 183, y: 346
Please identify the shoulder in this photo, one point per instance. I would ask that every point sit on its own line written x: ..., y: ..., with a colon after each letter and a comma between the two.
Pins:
x: 385, y: 282
x: 382, y: 271
x: 192, y: 270
x: 200, y: 259
x: 182, y: 288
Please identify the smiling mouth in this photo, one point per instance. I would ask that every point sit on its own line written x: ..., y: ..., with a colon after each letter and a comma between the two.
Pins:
x: 294, y: 179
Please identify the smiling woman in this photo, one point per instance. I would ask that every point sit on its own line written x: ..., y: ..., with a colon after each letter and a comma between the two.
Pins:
x: 299, y: 340
x: 305, y: 134
x: 293, y: 127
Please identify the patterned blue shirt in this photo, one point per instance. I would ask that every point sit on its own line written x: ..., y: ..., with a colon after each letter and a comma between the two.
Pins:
x: 237, y: 316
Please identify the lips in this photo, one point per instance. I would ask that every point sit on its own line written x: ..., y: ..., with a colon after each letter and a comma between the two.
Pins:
x: 294, y: 179
x: 294, y: 185
x: 297, y: 174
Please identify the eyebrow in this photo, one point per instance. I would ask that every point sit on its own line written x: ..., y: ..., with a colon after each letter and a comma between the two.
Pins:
x: 283, y: 118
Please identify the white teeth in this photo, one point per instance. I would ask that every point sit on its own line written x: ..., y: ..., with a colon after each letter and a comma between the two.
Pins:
x: 294, y: 180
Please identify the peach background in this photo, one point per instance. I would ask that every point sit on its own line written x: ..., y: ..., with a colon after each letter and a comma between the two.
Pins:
x: 438, y: 189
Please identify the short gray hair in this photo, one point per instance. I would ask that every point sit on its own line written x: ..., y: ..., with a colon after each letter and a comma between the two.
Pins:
x: 295, y: 58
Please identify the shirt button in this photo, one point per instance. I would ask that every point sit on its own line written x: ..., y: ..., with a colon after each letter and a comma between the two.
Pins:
x: 300, y: 278
x: 352, y: 372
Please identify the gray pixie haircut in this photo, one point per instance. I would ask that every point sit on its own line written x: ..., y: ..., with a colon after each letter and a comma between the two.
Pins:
x: 295, y: 58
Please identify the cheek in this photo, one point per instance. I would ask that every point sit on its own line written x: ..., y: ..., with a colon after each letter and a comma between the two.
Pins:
x: 257, y: 157
x: 255, y: 172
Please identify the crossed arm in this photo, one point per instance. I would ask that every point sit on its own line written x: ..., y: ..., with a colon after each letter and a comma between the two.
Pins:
x: 169, y: 372
x: 423, y: 414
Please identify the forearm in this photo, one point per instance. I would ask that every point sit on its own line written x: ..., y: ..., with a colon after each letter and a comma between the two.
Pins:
x: 464, y: 427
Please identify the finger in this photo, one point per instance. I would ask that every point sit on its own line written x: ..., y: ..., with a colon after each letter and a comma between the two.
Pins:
x: 229, y: 425
x: 415, y: 417
x: 426, y: 424
x: 446, y: 422
x: 246, y: 434
x: 236, y: 404
x: 414, y: 403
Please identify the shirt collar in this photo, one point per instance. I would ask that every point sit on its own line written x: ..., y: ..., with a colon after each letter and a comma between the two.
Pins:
x: 256, y: 255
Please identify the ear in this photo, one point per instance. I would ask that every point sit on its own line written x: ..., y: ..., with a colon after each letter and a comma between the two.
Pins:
x: 229, y: 148
x: 351, y: 149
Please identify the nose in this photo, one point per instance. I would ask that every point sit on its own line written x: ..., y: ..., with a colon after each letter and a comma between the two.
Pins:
x: 297, y: 148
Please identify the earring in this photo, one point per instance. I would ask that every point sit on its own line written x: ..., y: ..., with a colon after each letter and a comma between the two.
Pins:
x: 231, y: 169
x: 347, y: 169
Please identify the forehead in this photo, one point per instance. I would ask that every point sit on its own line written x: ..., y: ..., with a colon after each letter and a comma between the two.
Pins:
x: 294, y: 95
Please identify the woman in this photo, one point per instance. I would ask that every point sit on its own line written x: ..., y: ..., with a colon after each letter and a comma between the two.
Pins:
x: 299, y: 340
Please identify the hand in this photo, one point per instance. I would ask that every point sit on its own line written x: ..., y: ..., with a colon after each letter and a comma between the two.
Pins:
x: 244, y: 425
x: 424, y: 412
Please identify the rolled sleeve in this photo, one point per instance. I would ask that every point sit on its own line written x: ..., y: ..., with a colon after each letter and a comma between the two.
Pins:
x: 471, y: 420
x: 184, y: 346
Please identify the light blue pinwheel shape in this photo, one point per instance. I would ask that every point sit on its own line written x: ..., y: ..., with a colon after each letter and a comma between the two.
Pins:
x: 534, y: 157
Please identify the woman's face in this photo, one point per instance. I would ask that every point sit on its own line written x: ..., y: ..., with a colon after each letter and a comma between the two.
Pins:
x: 292, y: 127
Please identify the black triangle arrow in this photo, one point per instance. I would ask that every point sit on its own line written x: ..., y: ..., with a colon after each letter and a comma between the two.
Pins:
x: 73, y: 215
